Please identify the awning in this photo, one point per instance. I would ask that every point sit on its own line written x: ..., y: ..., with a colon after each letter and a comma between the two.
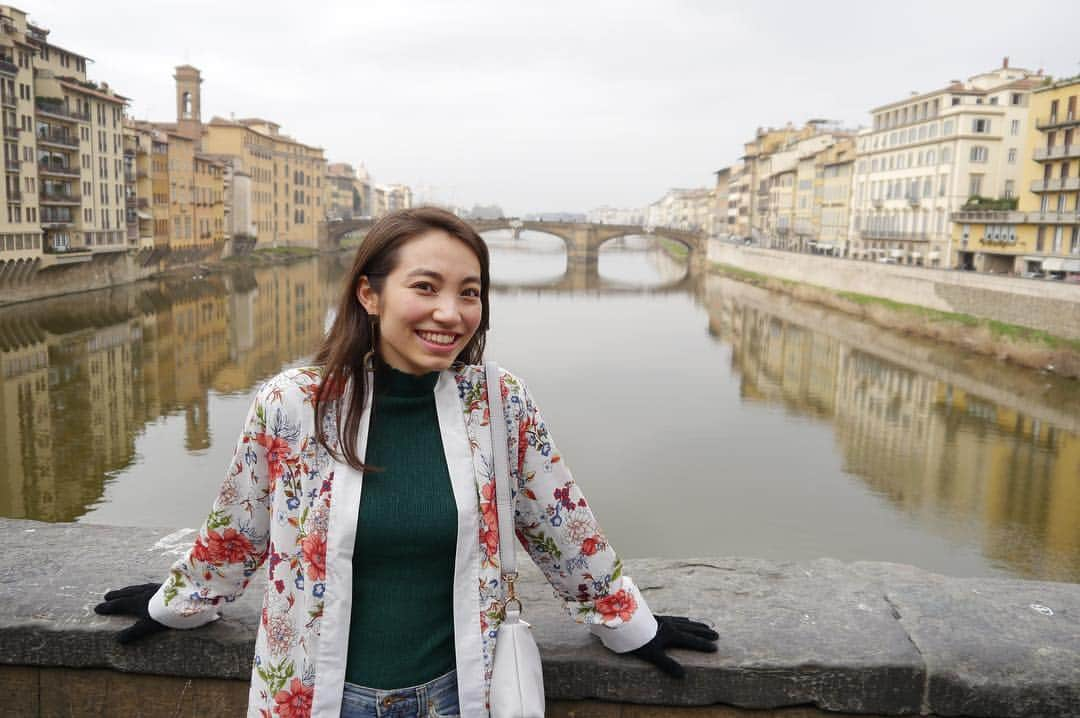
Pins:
x: 896, y: 253
x: 933, y: 255
x: 1072, y: 265
x: 1053, y: 264
x: 143, y: 215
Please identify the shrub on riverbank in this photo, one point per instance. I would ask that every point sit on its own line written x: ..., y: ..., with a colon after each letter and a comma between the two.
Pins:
x: 1023, y: 346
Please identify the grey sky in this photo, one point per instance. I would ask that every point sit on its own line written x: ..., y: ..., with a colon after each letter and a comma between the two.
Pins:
x: 554, y: 105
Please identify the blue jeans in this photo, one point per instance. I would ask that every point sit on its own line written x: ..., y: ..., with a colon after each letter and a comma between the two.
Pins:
x: 434, y: 699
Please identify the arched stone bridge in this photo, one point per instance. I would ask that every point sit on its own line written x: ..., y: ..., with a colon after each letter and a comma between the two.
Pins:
x: 583, y: 239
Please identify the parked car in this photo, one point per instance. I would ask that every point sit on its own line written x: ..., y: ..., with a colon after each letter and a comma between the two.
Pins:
x: 887, y: 260
x: 1032, y: 275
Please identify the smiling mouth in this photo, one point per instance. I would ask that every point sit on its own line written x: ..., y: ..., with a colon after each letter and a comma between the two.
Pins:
x: 439, y: 338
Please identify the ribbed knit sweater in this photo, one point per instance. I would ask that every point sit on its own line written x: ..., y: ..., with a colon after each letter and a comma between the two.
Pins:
x: 401, y: 628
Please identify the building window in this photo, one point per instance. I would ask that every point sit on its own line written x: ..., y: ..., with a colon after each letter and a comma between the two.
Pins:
x: 1010, y: 189
x: 1012, y: 155
x: 930, y: 158
x: 980, y: 125
x: 975, y: 185
x: 1014, y: 128
x: 1016, y: 98
x: 979, y: 153
x: 946, y: 155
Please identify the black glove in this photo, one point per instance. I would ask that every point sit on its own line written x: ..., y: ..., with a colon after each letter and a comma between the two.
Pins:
x: 132, y: 601
x: 676, y: 632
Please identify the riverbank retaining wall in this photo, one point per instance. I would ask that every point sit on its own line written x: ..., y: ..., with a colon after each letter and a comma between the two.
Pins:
x: 1052, y: 307
x: 798, y: 639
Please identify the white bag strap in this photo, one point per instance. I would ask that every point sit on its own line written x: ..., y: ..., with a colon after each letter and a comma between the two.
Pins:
x: 500, y: 449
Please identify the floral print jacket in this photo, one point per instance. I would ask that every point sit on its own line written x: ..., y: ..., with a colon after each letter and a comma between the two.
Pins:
x: 287, y: 507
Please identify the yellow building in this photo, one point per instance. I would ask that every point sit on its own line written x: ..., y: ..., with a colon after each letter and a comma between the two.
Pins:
x: 834, y: 170
x: 209, y: 196
x: 138, y: 184
x: 753, y: 204
x: 795, y: 176
x: 181, y: 168
x: 1042, y: 236
x: 340, y: 199
x: 63, y: 152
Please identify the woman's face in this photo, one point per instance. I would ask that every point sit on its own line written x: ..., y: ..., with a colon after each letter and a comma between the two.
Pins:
x: 429, y: 306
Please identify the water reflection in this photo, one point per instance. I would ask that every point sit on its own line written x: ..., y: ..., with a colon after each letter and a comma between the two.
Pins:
x: 1004, y: 478
x: 84, y: 376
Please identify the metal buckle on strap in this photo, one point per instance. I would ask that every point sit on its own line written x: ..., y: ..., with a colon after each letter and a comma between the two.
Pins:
x: 510, y: 593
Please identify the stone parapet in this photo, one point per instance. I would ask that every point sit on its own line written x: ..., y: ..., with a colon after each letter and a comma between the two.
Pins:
x: 1052, y: 307
x: 796, y: 639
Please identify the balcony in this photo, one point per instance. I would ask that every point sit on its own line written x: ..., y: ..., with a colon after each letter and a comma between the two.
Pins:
x: 11, y: 165
x: 1056, y: 152
x: 14, y: 195
x: 8, y: 101
x: 59, y: 197
x: 129, y: 177
x: 142, y: 203
x: 1052, y: 218
x: 53, y: 168
x: 12, y: 132
x: 914, y: 201
x: 987, y: 216
x: 63, y: 139
x: 895, y: 234
x: 141, y: 174
x: 1054, y: 121
x: 1056, y: 184
x: 59, y: 111
x: 56, y: 220
x: 7, y: 66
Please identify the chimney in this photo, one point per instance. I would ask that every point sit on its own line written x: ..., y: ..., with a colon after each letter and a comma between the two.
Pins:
x: 1005, y: 63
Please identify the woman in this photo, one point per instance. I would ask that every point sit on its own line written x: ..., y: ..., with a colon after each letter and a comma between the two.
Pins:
x: 390, y: 594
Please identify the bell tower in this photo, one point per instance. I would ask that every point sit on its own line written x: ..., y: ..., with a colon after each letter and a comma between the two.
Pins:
x: 188, y: 99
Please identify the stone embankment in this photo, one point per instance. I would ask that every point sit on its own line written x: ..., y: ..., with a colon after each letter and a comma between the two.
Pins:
x: 1052, y: 307
x: 796, y: 639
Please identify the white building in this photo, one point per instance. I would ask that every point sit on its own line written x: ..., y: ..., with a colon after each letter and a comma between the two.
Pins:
x: 690, y: 209
x: 927, y: 154
x: 615, y: 215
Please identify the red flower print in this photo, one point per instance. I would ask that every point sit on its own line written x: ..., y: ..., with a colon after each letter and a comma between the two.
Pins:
x: 295, y: 702
x: 314, y: 546
x: 277, y: 451
x: 490, y: 539
x: 200, y: 551
x: 229, y: 547
x: 589, y: 545
x: 618, y: 605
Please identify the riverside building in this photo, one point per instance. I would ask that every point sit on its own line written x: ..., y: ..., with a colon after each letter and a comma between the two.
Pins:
x: 65, y: 187
x: 281, y: 179
x: 1043, y: 234
x: 929, y: 154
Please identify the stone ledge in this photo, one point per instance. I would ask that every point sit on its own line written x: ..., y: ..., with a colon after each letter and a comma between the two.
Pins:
x: 855, y: 638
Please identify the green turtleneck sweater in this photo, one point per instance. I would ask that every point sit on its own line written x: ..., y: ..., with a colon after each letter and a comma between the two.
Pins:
x: 401, y: 632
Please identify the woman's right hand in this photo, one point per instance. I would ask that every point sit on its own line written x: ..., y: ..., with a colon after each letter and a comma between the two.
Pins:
x: 132, y: 601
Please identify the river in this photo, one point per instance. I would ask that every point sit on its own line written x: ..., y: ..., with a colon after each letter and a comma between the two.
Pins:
x: 723, y: 419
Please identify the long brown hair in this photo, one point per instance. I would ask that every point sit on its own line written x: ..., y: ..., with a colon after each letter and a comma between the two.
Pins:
x: 352, y: 335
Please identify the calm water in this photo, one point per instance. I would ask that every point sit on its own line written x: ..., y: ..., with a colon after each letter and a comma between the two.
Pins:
x: 723, y: 420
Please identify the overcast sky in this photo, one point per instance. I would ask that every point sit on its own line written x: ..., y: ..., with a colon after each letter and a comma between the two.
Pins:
x: 546, y: 106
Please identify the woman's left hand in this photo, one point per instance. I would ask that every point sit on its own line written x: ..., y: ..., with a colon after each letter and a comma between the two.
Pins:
x: 676, y: 632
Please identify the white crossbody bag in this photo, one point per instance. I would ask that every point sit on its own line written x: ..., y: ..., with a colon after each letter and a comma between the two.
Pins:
x: 517, y: 681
